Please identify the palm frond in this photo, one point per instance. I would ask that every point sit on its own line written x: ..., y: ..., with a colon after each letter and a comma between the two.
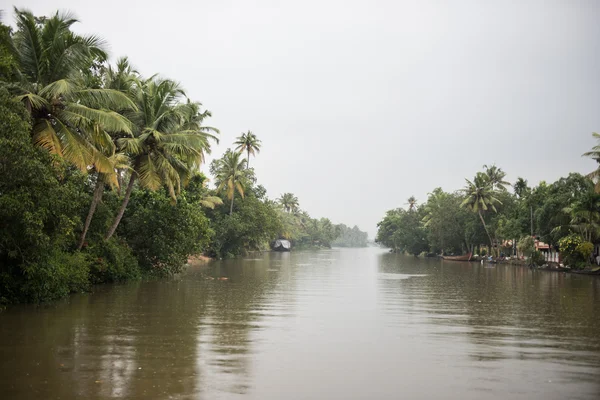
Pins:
x: 45, y: 136
x: 110, y: 121
x: 33, y: 101
x: 105, y: 98
x: 59, y: 88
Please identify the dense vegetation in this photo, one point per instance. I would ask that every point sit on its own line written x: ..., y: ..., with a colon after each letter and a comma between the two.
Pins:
x: 486, y: 218
x: 99, y: 172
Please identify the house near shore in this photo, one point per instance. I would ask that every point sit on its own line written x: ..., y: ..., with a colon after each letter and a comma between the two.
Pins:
x: 550, y: 254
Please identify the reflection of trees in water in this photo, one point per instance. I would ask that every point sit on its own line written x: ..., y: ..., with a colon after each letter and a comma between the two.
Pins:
x: 138, y: 341
x: 144, y: 340
x: 509, y: 312
x: 234, y: 310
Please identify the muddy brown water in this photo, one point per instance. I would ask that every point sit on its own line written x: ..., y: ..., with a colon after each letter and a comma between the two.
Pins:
x: 334, y: 324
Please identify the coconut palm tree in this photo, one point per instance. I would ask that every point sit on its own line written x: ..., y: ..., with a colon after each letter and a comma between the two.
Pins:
x: 412, y: 203
x: 496, y: 177
x: 231, y: 174
x: 249, y: 143
x: 480, y: 198
x: 122, y: 78
x: 69, y: 118
x: 119, y: 161
x: 169, y: 141
x: 585, y: 215
x: 289, y: 202
x: 594, y: 154
x: 520, y: 187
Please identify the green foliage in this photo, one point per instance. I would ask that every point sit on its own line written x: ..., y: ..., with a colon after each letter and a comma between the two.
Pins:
x: 526, y: 245
x: 585, y: 250
x: 8, y: 62
x: 252, y: 225
x: 569, y: 250
x: 112, y: 261
x: 289, y: 202
x: 350, y: 237
x: 537, y: 258
x: 38, y: 212
x: 316, y: 233
x: 231, y: 175
x: 163, y: 235
x: 55, y: 276
x: 450, y: 228
x: 403, y: 231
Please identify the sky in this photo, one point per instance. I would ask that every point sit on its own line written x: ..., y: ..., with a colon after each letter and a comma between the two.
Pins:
x: 361, y: 104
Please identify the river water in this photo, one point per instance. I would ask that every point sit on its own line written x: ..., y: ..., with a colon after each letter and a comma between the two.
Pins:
x: 335, y: 324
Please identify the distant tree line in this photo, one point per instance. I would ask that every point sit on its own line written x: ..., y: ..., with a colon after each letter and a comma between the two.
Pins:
x: 485, y: 217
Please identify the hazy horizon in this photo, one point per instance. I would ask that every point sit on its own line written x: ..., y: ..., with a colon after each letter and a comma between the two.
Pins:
x: 360, y: 105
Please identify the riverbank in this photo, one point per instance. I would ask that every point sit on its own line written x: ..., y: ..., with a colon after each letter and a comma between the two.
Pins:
x: 555, y: 267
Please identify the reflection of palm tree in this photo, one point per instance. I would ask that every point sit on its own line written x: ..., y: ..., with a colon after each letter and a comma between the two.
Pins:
x: 480, y: 198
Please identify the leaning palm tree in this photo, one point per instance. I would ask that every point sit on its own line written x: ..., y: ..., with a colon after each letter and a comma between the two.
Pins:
x: 119, y: 161
x: 230, y: 174
x: 123, y: 79
x: 169, y: 142
x: 480, y: 198
x: 249, y: 143
x: 289, y: 202
x: 595, y: 155
x: 70, y: 119
x: 496, y: 177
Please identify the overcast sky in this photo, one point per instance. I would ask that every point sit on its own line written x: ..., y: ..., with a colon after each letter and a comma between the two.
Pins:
x: 361, y: 104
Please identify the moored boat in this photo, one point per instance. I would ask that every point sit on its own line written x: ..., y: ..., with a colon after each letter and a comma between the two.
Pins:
x: 464, y: 257
x: 282, y: 245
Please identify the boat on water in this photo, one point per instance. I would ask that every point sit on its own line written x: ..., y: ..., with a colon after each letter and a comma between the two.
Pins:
x: 464, y: 257
x: 282, y: 245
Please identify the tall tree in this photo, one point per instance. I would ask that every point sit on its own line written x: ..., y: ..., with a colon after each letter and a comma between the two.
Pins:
x: 585, y: 215
x: 289, y: 202
x: 231, y: 174
x: 249, y: 143
x: 480, y: 198
x: 121, y: 78
x: 169, y: 141
x: 70, y: 119
x: 594, y: 154
x: 496, y: 176
x: 520, y: 188
x: 412, y: 203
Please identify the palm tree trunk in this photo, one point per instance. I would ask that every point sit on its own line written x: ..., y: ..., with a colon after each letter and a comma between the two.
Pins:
x: 98, y: 191
x: 113, y: 227
x: 120, y: 181
x: 231, y: 206
x: 486, y: 231
x: 248, y: 162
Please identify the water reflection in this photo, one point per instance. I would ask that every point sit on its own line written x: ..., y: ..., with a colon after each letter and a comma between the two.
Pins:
x: 352, y: 324
x: 508, y: 321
